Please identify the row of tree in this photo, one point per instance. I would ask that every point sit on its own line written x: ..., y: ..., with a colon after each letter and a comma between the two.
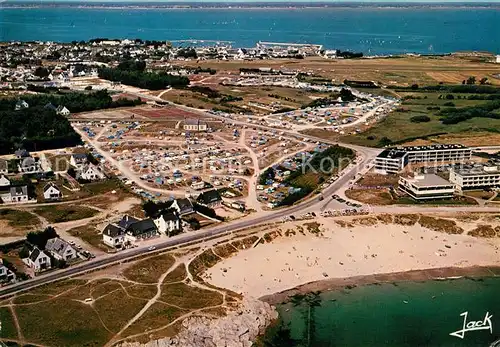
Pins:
x: 144, y: 80
x: 457, y: 115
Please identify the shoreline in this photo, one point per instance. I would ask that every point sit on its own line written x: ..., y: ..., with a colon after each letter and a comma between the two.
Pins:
x: 431, y: 274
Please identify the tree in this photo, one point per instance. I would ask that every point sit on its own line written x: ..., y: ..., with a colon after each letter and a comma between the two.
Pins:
x: 40, y: 238
x: 41, y: 72
x: 471, y: 80
x: 384, y: 141
x: 414, y: 86
x: 88, y: 88
x: 420, y: 119
x: 346, y: 95
x: 450, y: 97
x: 483, y: 80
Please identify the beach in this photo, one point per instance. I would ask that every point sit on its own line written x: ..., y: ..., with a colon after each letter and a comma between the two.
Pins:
x: 349, y: 249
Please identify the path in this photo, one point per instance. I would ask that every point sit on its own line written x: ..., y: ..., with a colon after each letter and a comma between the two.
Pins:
x: 252, y: 202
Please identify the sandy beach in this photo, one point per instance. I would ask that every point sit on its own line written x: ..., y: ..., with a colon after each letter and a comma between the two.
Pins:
x: 348, y: 251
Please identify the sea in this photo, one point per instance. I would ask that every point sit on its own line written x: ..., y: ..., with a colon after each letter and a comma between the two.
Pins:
x: 371, y: 30
x: 409, y: 314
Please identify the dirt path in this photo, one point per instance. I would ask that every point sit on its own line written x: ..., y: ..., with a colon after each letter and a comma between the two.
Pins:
x: 252, y: 202
x: 18, y: 327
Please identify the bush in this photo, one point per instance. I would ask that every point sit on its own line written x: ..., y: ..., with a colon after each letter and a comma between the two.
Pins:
x: 420, y: 119
x: 449, y: 103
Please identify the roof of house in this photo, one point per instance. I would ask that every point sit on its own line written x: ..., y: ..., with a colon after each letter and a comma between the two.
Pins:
x: 184, y: 205
x: 126, y: 221
x: 50, y: 185
x: 113, y: 230
x: 142, y: 227
x: 57, y: 245
x: 22, y: 153
x: 19, y: 190
x: 79, y: 156
x: 169, y: 215
x: 34, y: 254
x: 209, y: 197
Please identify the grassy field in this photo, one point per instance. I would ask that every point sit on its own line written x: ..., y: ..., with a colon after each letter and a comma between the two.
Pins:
x: 90, y: 235
x: 19, y: 218
x: 404, y: 70
x: 149, y: 269
x: 65, y: 213
x: 410, y: 132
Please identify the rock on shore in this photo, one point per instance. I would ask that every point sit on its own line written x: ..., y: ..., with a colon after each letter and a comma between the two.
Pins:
x: 238, y: 329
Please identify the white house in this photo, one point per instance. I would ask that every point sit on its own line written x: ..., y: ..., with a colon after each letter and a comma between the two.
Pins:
x: 113, y: 236
x: 498, y: 59
x: 18, y: 194
x: 90, y: 172
x: 51, y: 192
x: 38, y: 260
x: 62, y: 110
x: 78, y: 160
x: 195, y: 125
x: 60, y: 249
x: 4, y: 181
x: 168, y: 222
x: 30, y: 165
x: 6, y: 275
x: 20, y: 105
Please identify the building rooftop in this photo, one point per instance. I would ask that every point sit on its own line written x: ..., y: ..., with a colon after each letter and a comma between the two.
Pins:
x: 391, y: 153
x: 428, y: 180
x: 430, y: 147
x: 479, y: 171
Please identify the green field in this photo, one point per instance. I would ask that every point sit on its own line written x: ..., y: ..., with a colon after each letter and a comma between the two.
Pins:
x: 65, y: 213
x: 398, y: 128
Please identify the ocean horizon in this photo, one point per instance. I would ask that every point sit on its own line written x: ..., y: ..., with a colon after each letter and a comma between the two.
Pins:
x: 371, y: 30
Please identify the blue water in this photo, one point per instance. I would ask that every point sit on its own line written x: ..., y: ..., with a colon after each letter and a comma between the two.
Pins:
x: 370, y: 30
x: 406, y: 314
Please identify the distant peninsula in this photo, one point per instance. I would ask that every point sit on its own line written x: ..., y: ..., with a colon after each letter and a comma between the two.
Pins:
x: 241, y: 5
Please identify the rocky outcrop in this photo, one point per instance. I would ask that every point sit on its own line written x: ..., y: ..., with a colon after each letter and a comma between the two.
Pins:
x: 238, y: 329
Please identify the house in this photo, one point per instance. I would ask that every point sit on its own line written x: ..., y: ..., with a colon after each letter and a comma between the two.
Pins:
x: 6, y: 275
x: 210, y: 198
x: 141, y: 230
x: 168, y: 222
x: 78, y: 159
x: 21, y: 105
x: 29, y: 165
x: 113, y: 236
x: 63, y: 111
x: 38, y: 260
x: 4, y: 167
x: 198, y: 185
x: 4, y: 181
x: 51, y: 192
x: 60, y: 249
x: 183, y: 206
x: 21, y: 153
x: 90, y: 172
x: 19, y: 194
x: 195, y: 125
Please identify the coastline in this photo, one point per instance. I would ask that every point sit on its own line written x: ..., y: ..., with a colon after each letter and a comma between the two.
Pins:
x: 333, y: 284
